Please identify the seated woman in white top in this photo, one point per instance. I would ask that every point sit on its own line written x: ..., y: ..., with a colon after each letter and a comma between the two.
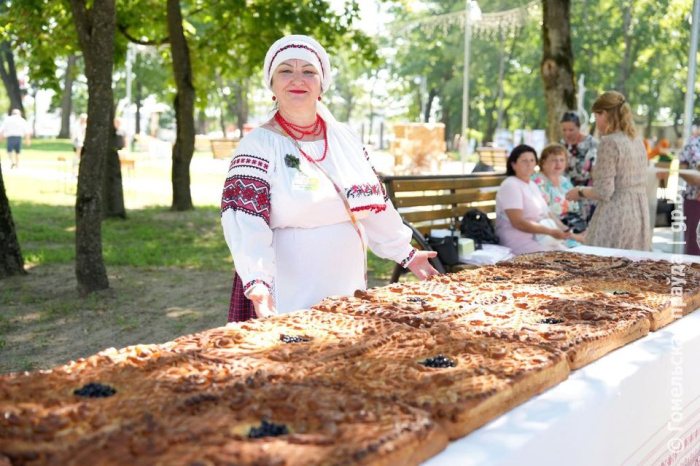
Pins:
x: 523, y: 219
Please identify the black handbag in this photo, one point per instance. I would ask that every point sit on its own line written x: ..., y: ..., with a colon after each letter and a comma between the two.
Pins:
x: 477, y: 226
x: 574, y: 221
x: 446, y: 248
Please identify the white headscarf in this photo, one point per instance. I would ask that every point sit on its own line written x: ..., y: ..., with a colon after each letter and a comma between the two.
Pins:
x: 355, y: 175
x: 302, y: 48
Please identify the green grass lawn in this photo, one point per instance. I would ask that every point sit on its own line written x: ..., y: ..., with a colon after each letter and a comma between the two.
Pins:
x: 151, y: 236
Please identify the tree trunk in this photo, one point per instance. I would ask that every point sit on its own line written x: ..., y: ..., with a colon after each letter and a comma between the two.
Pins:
x: 11, y: 262
x: 241, y: 104
x: 112, y: 186
x: 8, y: 73
x: 201, y: 122
x: 446, y: 122
x: 222, y: 122
x: 95, y: 28
x: 67, y: 99
x: 184, y: 109
x: 349, y: 106
x: 229, y: 107
x: 138, y: 98
x: 625, y: 65
x: 429, y: 104
x: 491, y: 122
x: 557, y: 66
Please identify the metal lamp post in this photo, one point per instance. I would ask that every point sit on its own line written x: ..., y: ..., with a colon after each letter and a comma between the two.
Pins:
x: 130, y: 55
x: 472, y: 13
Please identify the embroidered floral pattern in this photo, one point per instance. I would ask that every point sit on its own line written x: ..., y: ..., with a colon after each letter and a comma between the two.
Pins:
x: 364, y: 190
x: 297, y: 46
x: 408, y: 258
x: 376, y: 208
x: 255, y: 282
x: 291, y: 161
x: 247, y: 194
x: 249, y: 161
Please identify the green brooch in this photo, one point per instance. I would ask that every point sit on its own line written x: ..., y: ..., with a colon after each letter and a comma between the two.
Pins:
x: 291, y: 161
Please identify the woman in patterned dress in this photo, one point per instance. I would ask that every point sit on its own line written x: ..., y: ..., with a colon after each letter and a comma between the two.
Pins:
x: 554, y: 185
x: 621, y: 218
x: 301, y: 201
x: 583, y: 150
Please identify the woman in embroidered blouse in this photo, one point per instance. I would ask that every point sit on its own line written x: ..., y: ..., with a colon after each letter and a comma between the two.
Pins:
x: 521, y: 211
x: 583, y: 150
x: 621, y: 218
x: 302, y: 201
x: 554, y: 185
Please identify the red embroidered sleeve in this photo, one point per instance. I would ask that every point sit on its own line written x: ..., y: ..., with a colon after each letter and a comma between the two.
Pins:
x: 247, y: 194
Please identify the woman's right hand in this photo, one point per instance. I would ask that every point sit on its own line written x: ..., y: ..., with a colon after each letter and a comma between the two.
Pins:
x: 559, y: 234
x: 263, y: 302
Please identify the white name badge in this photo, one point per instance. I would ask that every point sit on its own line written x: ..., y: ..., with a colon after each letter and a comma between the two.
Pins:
x: 301, y: 182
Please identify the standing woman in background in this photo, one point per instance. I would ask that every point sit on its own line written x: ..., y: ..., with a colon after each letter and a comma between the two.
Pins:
x: 583, y: 150
x: 621, y: 218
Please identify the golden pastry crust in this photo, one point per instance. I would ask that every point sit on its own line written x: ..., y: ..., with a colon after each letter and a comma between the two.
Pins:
x: 566, y: 261
x: 304, y: 424
x: 384, y: 377
x: 462, y: 382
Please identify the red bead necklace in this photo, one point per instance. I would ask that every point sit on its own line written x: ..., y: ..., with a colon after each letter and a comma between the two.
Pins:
x: 313, y: 129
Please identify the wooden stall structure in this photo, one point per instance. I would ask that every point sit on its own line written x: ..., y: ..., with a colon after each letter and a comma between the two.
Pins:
x: 418, y: 148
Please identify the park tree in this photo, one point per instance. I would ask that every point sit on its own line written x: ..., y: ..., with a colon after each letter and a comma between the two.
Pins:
x: 184, y: 108
x: 95, y: 27
x: 8, y: 73
x: 557, y: 68
x: 11, y: 261
x: 67, y: 96
x: 21, y: 28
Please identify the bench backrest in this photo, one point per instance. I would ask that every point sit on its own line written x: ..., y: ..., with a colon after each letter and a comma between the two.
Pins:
x: 436, y: 202
x: 223, y: 148
x: 494, y: 156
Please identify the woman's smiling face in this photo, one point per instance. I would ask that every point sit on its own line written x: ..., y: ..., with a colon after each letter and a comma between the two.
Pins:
x: 554, y: 165
x: 296, y: 83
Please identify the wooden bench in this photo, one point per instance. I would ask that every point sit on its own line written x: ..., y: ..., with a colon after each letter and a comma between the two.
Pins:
x: 223, y: 148
x: 493, y: 156
x: 127, y: 163
x: 438, y: 202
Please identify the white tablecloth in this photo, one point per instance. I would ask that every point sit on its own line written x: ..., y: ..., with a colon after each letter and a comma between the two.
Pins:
x: 639, y: 405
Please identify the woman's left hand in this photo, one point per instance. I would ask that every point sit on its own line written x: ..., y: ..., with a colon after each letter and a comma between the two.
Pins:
x: 421, y: 267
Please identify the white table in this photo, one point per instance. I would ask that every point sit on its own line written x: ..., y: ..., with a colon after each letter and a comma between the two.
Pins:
x: 635, y: 406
